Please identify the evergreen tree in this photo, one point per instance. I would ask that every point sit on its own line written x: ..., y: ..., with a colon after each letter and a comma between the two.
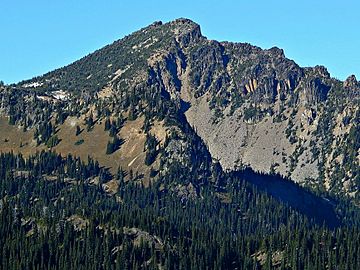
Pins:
x: 78, y: 131
x: 89, y: 122
x: 107, y: 124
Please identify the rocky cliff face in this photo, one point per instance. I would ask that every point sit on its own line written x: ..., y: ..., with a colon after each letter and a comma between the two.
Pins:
x: 252, y: 107
x: 257, y: 108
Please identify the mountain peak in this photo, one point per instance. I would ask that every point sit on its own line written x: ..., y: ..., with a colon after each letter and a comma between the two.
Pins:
x: 182, y: 29
x: 187, y: 28
x: 184, y: 21
x: 276, y: 51
x: 183, y: 24
x: 351, y: 81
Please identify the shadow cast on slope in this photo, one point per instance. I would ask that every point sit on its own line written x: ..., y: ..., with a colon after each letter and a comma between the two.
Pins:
x: 320, y: 209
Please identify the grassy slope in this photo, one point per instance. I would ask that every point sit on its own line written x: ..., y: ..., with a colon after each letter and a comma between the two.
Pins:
x: 131, y: 154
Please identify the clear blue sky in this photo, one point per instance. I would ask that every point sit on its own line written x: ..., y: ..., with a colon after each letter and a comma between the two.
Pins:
x: 40, y: 35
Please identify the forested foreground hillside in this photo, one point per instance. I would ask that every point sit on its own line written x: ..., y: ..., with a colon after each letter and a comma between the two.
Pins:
x: 56, y: 213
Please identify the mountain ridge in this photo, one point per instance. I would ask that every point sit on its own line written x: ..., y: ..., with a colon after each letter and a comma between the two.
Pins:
x: 252, y: 107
